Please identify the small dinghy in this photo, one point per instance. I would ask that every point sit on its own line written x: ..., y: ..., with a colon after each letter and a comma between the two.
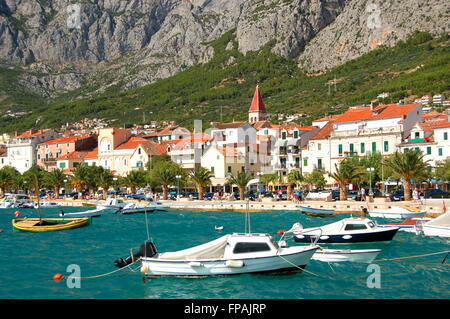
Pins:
x: 218, y: 228
x: 89, y: 213
x: 132, y: 208
x: 347, y: 230
x: 397, y: 212
x: 439, y: 226
x: 228, y: 255
x: 48, y: 224
x: 316, y: 211
x: 344, y: 255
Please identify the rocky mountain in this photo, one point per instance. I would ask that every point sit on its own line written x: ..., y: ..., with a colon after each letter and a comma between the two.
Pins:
x: 86, y: 46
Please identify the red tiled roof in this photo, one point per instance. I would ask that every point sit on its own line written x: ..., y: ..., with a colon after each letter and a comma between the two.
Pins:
x: 32, y: 133
x: 63, y: 140
x: 379, y: 112
x: 92, y: 154
x: 150, y: 147
x: 132, y: 143
x: 257, y: 102
x: 222, y: 126
x: 324, y: 132
x: 73, y: 156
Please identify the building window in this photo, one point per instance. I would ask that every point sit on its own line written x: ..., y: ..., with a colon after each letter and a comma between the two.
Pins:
x: 319, y: 163
x: 445, y: 136
x: 374, y: 147
x: 417, y: 135
x: 229, y: 169
x: 440, y: 151
x: 319, y: 146
x: 266, y: 132
x: 386, y: 146
x: 340, y: 149
x: 305, y: 162
x: 429, y: 150
x: 139, y: 150
x: 352, y: 148
x: 62, y: 165
x: 212, y: 169
x: 363, y: 148
x: 295, y: 134
x: 283, y: 135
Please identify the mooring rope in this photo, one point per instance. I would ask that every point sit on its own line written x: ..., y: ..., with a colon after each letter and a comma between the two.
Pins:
x: 300, y: 268
x: 110, y: 273
x: 415, y: 256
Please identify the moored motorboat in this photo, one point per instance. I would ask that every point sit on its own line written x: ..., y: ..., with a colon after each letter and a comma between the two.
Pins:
x: 228, y: 255
x: 113, y: 203
x: 347, y: 230
x: 397, y: 212
x: 132, y: 208
x: 316, y: 211
x: 7, y: 203
x: 48, y: 224
x: 344, y: 255
x: 157, y: 205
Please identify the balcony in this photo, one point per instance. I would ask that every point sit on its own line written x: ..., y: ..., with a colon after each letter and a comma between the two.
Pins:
x: 368, y: 131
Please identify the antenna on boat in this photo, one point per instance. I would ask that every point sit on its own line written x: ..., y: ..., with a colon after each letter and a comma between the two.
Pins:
x: 247, y: 218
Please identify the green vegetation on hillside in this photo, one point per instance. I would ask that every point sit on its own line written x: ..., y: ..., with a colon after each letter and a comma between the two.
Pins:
x: 223, y: 87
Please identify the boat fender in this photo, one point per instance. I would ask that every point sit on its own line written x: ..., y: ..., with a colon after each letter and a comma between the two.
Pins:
x: 365, y: 211
x: 235, y: 263
x: 144, y: 269
x: 280, y: 232
x: 347, y: 237
x: 324, y: 237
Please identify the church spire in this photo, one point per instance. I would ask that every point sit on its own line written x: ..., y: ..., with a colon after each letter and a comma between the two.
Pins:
x: 257, y: 111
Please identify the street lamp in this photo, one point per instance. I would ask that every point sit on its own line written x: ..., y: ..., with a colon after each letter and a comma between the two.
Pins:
x: 178, y: 177
x: 65, y: 187
x: 370, y: 170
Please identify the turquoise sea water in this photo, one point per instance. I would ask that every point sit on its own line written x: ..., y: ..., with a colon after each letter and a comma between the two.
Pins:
x: 29, y: 260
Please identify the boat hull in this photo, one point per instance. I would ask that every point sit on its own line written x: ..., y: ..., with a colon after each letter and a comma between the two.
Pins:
x: 439, y: 231
x: 53, y: 224
x: 186, y: 268
x: 316, y: 211
x: 136, y: 211
x: 337, y: 255
x: 363, y: 237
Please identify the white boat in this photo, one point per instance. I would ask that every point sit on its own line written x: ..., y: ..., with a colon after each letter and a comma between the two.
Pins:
x: 157, y: 205
x: 228, y: 255
x: 343, y: 255
x: 113, y: 203
x: 439, y: 226
x: 133, y: 208
x: 47, y: 204
x: 345, y: 231
x: 7, y: 203
x: 89, y: 213
x: 397, y: 212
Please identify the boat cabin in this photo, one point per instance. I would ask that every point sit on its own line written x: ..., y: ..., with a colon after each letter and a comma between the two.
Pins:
x: 250, y: 245
x: 350, y: 224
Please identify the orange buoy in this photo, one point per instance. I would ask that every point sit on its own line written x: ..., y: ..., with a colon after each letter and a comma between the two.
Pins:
x: 1, y: 230
x: 58, y: 277
x: 280, y: 232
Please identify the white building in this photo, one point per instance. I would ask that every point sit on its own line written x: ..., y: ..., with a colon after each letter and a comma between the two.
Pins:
x: 22, y: 149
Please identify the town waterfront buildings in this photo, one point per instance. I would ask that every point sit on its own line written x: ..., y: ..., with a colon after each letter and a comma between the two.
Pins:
x: 256, y: 146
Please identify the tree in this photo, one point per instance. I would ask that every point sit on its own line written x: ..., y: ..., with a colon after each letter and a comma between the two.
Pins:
x: 134, y: 179
x: 409, y: 165
x: 201, y: 177
x: 293, y: 178
x: 55, y: 179
x: 105, y: 180
x: 346, y: 173
x: 266, y: 179
x: 240, y: 180
x: 443, y: 170
x: 80, y: 179
x: 165, y: 174
x: 315, y: 178
x: 9, y: 178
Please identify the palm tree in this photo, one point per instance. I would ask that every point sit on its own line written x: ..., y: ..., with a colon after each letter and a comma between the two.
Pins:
x: 6, y: 180
x: 294, y: 177
x: 165, y: 174
x: 202, y: 178
x: 409, y: 165
x: 35, y: 177
x: 240, y: 180
x: 56, y: 179
x: 80, y: 179
x: 134, y: 179
x: 105, y: 180
x: 266, y: 179
x: 345, y: 174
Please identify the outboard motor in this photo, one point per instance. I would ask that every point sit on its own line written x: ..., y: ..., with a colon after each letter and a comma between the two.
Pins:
x: 365, y: 211
x: 147, y: 249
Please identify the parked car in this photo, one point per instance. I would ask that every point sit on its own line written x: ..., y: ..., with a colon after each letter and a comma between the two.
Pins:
x: 208, y: 196
x: 335, y: 195
x: 436, y: 193
x: 398, y: 195
x: 353, y: 195
x: 250, y: 195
